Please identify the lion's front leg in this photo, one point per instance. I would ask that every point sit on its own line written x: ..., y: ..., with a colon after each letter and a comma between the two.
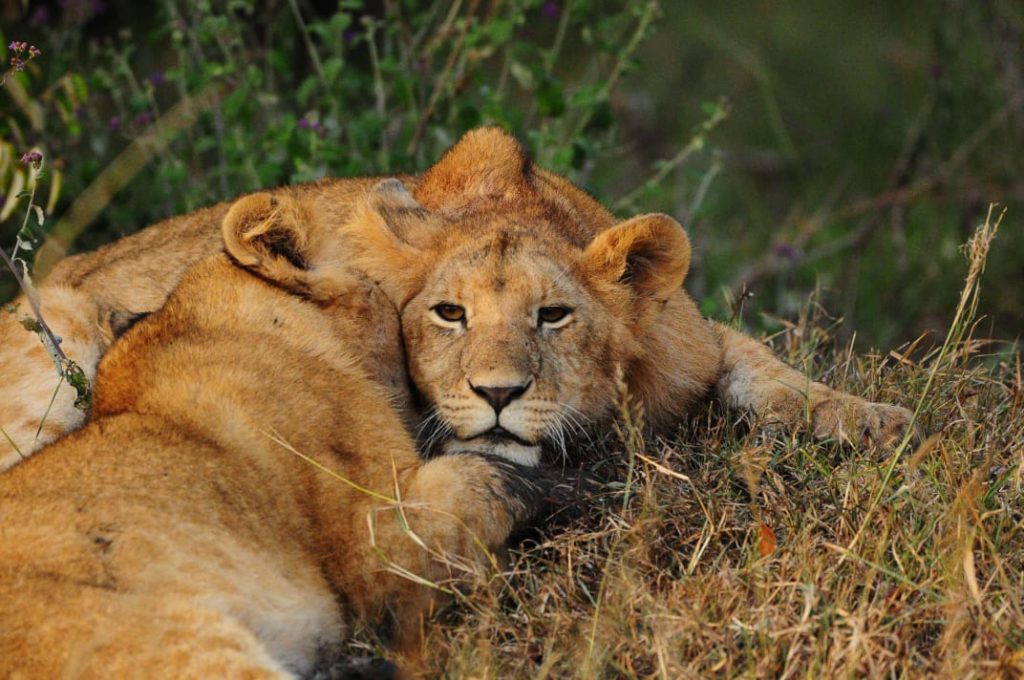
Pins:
x: 454, y: 518
x: 754, y: 379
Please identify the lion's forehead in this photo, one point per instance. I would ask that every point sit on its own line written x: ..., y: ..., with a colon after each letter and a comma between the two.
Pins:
x: 525, y: 276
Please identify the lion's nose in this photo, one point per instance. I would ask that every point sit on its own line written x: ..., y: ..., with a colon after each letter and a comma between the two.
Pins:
x: 500, y: 397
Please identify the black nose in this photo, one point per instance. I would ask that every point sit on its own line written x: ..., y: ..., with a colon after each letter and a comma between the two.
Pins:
x: 500, y: 397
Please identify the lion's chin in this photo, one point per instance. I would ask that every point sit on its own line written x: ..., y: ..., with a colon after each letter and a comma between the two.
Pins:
x: 506, y: 448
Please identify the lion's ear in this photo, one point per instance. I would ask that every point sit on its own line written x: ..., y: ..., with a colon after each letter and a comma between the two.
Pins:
x: 389, y: 237
x: 487, y: 163
x: 279, y: 238
x: 649, y: 253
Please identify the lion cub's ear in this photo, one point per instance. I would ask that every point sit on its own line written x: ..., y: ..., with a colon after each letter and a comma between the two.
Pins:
x: 279, y: 238
x: 487, y: 163
x: 649, y: 253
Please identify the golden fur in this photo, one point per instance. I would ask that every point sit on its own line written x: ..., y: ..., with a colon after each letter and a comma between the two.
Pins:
x: 677, y: 356
x: 505, y: 251
x: 88, y: 298
x: 177, y: 535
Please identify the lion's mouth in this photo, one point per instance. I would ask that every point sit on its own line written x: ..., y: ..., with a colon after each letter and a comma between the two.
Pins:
x: 499, y: 435
x: 497, y: 442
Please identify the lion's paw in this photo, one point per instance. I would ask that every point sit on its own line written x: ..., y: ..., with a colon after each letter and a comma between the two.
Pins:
x: 860, y: 422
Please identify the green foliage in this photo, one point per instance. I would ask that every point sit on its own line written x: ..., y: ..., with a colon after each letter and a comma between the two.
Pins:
x: 861, y: 142
x: 291, y: 93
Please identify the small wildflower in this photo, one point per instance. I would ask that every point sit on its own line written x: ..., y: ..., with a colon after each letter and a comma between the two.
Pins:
x: 22, y: 54
x: 787, y: 251
x: 32, y: 158
x: 143, y: 118
x: 79, y: 11
x: 40, y: 15
x: 157, y: 78
x: 551, y: 10
x: 115, y: 122
x: 349, y: 35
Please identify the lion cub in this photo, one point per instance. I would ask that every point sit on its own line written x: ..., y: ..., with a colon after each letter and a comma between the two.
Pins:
x: 246, y: 484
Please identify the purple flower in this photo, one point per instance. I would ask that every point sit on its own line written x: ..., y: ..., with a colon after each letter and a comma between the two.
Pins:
x: 81, y: 10
x: 157, y: 78
x: 551, y: 10
x: 143, y: 118
x: 19, y: 47
x: 307, y: 123
x: 115, y: 122
x: 32, y: 158
x: 349, y: 35
x: 787, y: 251
x: 40, y: 15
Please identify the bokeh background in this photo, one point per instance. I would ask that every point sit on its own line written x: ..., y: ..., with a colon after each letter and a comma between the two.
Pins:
x: 827, y: 158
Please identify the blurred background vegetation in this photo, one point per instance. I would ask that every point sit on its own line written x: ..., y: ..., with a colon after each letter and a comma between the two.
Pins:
x: 824, y: 151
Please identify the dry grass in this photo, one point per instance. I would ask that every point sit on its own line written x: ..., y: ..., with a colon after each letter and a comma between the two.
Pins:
x: 740, y: 555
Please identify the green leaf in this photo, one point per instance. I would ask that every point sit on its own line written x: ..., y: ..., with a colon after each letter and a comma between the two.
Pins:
x: 332, y: 68
x: 234, y: 102
x: 500, y: 30
x: 550, y: 99
x: 306, y: 89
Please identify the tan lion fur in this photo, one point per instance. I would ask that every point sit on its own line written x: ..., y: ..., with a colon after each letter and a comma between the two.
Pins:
x: 684, y: 356
x: 511, y: 244
x: 177, y: 535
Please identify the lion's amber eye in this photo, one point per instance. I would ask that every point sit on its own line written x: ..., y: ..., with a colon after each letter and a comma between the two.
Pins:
x: 453, y: 313
x: 552, y: 315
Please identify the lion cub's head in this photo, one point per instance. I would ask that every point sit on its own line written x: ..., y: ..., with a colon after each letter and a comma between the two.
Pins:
x: 513, y: 323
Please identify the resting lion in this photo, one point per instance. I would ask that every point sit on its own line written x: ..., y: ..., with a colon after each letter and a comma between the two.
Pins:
x: 181, y: 534
x: 673, y: 359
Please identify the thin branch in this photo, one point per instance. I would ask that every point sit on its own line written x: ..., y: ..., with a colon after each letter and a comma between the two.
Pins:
x: 53, y: 340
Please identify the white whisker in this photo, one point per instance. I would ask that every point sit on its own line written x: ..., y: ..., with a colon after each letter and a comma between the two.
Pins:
x: 432, y: 430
